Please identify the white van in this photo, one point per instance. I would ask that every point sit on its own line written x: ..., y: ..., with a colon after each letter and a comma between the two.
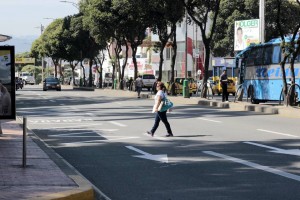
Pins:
x: 27, y: 78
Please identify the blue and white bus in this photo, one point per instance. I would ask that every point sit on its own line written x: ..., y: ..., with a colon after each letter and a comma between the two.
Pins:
x: 260, y: 72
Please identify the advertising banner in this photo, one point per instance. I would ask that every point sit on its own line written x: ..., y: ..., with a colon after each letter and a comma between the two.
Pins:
x: 246, y: 32
x: 24, y: 60
x: 7, y: 83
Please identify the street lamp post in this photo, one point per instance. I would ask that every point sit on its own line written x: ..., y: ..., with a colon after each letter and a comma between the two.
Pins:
x: 42, y: 29
x: 74, y: 4
x: 262, y: 20
x: 185, y: 88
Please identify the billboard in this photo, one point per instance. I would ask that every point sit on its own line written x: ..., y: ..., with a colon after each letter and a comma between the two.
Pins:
x: 7, y: 83
x: 246, y: 32
x: 24, y: 60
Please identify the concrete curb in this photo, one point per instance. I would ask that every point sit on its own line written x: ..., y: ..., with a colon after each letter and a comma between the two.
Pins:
x: 83, y: 192
x: 83, y: 88
x: 240, y: 106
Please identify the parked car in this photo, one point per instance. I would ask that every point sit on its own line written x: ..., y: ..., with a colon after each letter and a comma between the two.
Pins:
x: 148, y: 81
x: 217, y: 89
x: 51, y: 83
x: 28, y: 78
x: 179, y: 86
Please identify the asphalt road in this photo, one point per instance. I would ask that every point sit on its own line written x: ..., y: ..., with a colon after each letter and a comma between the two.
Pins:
x: 215, y: 154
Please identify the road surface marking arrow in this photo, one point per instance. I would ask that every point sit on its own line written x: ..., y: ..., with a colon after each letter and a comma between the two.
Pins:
x: 295, y: 152
x: 254, y: 165
x: 160, y: 158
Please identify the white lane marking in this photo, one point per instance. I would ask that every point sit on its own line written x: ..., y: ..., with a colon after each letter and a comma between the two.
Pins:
x: 261, y: 145
x: 254, y: 165
x: 117, y: 123
x: 295, y: 152
x: 70, y: 134
x: 90, y: 114
x: 285, y: 134
x: 52, y: 100
x: 60, y: 121
x: 210, y: 120
x: 62, y: 104
x: 91, y: 142
x: 58, y: 127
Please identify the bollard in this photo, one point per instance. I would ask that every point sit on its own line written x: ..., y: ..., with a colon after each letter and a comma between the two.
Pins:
x: 186, y: 89
x: 0, y: 128
x: 24, y: 141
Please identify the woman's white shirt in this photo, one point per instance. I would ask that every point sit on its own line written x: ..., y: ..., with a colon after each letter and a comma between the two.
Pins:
x: 160, y: 94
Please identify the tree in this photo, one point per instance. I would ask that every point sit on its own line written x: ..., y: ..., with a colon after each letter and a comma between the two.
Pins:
x: 199, y: 11
x: 100, y: 19
x: 231, y: 11
x: 134, y: 18
x: 49, y: 44
x: 289, y: 49
x: 84, y: 42
x: 166, y: 14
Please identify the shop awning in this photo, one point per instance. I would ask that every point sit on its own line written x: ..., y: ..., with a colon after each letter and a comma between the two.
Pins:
x: 4, y: 38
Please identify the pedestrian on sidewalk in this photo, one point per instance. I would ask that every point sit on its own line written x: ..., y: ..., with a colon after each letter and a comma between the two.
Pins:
x: 139, y: 85
x: 160, y: 116
x: 224, y: 82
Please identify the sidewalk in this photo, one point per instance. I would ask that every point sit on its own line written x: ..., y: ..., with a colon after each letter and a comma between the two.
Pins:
x: 42, y: 178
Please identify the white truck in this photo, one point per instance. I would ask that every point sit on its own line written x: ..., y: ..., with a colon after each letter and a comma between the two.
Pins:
x: 27, y: 77
x: 148, y: 81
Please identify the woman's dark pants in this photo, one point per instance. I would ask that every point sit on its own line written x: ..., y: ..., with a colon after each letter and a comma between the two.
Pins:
x: 163, y: 117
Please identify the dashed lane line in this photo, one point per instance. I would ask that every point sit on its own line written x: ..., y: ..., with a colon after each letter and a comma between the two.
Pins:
x: 210, y: 120
x: 73, y: 126
x: 254, y: 165
x: 278, y: 133
x: 117, y: 123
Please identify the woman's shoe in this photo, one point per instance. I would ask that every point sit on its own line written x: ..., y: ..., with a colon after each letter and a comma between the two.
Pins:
x: 150, y: 133
x: 169, y: 135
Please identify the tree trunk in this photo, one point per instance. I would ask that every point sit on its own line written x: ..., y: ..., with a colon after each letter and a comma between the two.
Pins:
x: 60, y: 70
x: 173, y: 60
x: 124, y: 66
x: 161, y: 60
x: 83, y: 69
x: 73, y: 72
x: 134, y: 50
x: 206, y: 66
x: 91, y: 73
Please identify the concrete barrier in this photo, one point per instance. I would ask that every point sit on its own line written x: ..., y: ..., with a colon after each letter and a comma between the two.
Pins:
x: 83, y: 88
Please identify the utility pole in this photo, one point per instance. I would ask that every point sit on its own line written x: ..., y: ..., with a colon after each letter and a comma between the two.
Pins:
x: 42, y: 29
x: 185, y: 88
x: 262, y: 20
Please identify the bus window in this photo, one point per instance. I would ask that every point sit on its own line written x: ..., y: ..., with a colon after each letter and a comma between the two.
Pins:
x: 268, y: 55
x: 251, y: 57
x: 259, y: 56
x: 276, y: 55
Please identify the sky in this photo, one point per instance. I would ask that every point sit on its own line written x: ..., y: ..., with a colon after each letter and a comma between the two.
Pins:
x: 22, y: 19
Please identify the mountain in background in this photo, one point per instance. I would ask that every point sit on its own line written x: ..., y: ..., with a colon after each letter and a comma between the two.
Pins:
x: 22, y: 43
